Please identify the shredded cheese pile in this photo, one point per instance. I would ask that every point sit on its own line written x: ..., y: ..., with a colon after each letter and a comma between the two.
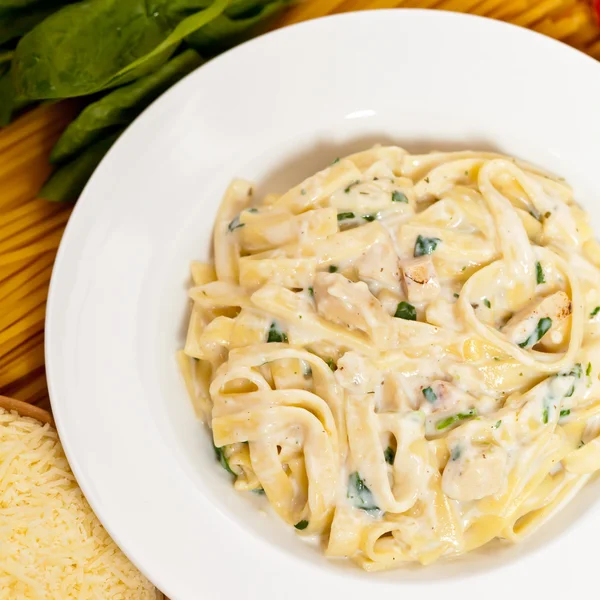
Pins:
x: 51, y: 543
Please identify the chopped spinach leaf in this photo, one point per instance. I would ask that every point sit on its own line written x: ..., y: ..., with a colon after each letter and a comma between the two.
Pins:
x: 497, y: 424
x: 311, y: 292
x: 276, y: 335
x: 345, y: 215
x: 253, y: 210
x: 455, y: 418
x: 429, y: 394
x: 456, y: 452
x: 301, y: 524
x: 540, y: 331
x: 220, y: 452
x: 331, y: 364
x: 588, y: 370
x: 595, y: 312
x: 399, y: 197
x: 351, y: 185
x: 425, y: 245
x: 259, y: 491
x: 235, y: 224
x: 335, y: 160
x: 406, y: 311
x: 539, y: 273
x: 565, y: 412
x: 487, y: 303
x: 545, y: 415
x: 370, y: 218
x: 333, y: 269
x: 360, y: 494
x: 389, y: 455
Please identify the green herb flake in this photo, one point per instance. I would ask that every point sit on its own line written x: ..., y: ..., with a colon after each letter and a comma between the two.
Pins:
x: 456, y: 295
x: 345, y: 215
x: 303, y: 192
x: 429, y: 394
x: 235, y: 224
x: 389, y: 455
x: 406, y: 311
x: 547, y: 215
x: 425, y: 245
x: 540, y: 331
x: 399, y: 197
x: 276, y: 335
x: 333, y: 269
x: 588, y: 370
x: 351, y: 185
x: 539, y: 273
x: 565, y: 412
x: 311, y: 292
x: 487, y: 303
x: 595, y: 312
x: 369, y: 218
x: 301, y: 525
x: 497, y: 424
x: 545, y: 415
x: 455, y: 418
x: 426, y: 179
x: 220, y: 453
x: 258, y: 491
x: 335, y: 161
x: 331, y: 364
x: 360, y: 494
x: 456, y: 452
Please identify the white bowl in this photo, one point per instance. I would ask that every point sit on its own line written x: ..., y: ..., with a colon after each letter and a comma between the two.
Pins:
x: 275, y: 110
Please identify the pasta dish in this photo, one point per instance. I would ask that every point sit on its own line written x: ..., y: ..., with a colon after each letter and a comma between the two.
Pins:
x: 402, y: 351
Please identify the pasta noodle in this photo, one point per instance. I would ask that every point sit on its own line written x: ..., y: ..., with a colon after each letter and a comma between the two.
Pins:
x: 401, y: 352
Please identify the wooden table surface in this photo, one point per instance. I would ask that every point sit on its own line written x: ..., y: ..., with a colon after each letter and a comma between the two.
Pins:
x: 30, y: 229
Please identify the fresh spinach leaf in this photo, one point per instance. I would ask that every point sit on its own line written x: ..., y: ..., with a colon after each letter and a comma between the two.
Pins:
x: 119, y: 107
x: 227, y: 30
x: 360, y: 495
x: 370, y: 218
x: 333, y: 269
x: 425, y: 245
x: 68, y: 181
x: 276, y: 335
x: 406, y: 311
x: 565, y: 412
x: 595, y: 312
x: 96, y: 44
x: 17, y: 17
x: 343, y: 216
x: 301, y: 525
x: 539, y: 332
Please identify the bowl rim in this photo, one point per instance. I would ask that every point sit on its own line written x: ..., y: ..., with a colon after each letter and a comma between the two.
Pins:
x: 84, y: 211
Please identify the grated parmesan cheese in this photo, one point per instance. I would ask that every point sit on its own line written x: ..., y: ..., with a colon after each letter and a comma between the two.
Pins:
x: 52, y: 546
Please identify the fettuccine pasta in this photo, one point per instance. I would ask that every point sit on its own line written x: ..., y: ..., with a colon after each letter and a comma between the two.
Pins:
x: 401, y: 352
